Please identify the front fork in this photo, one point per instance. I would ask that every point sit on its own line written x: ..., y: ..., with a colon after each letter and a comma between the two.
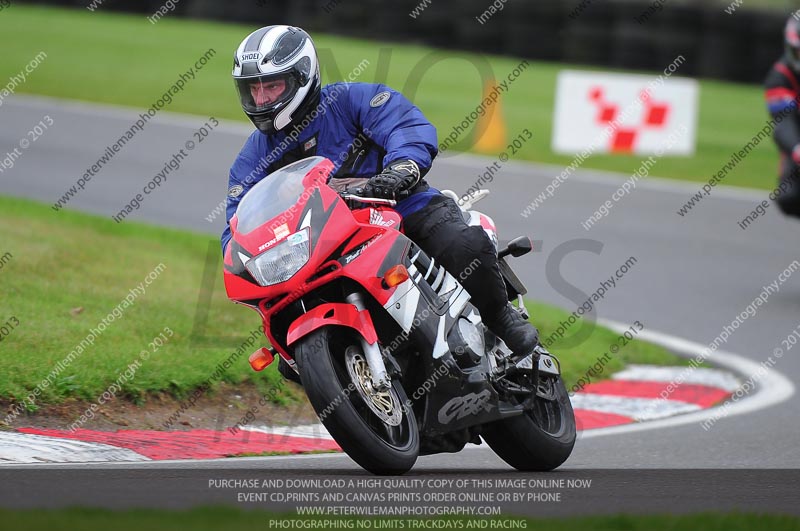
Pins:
x: 380, y: 377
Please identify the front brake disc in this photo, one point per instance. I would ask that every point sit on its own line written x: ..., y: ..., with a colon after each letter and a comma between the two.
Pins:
x: 385, y: 404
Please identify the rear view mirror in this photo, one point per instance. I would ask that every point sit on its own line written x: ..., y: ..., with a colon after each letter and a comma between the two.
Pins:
x: 517, y: 247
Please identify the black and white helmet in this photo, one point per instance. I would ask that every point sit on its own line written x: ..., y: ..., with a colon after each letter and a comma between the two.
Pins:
x: 276, y: 72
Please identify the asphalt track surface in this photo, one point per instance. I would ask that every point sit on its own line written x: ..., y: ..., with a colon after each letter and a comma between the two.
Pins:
x: 693, y: 276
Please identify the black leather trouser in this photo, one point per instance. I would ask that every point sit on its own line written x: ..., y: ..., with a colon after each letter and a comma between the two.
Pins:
x: 440, y: 230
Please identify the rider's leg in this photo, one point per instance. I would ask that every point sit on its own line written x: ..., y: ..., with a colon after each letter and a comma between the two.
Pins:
x: 788, y: 195
x: 440, y: 230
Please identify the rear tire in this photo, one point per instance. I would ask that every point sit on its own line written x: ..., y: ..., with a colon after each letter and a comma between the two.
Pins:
x: 538, y: 440
x: 342, y: 406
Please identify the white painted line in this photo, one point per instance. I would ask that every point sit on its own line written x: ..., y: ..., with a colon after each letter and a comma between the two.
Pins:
x: 700, y: 376
x: 16, y: 448
x: 181, y: 463
x: 639, y: 409
x: 309, y: 431
x: 772, y: 388
x: 469, y: 161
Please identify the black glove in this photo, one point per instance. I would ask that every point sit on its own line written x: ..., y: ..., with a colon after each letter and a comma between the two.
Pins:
x: 394, y: 182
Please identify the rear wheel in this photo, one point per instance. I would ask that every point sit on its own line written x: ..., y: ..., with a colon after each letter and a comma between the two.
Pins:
x: 372, y: 426
x: 542, y: 438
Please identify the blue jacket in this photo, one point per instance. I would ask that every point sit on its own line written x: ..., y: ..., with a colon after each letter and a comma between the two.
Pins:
x: 360, y: 127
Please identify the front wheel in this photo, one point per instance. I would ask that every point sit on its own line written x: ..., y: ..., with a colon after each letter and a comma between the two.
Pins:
x: 374, y: 427
x: 542, y: 438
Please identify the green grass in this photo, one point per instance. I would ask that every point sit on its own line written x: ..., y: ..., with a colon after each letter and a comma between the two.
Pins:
x: 69, y: 260
x: 234, y: 519
x: 86, y: 51
x: 578, y: 356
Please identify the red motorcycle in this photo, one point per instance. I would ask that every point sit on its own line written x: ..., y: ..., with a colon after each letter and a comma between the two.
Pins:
x: 393, y: 357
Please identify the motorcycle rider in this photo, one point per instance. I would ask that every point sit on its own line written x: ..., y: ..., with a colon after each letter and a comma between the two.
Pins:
x: 379, y: 142
x: 783, y: 95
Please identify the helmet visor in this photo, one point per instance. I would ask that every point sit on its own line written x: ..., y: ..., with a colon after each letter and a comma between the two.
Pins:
x: 265, y: 93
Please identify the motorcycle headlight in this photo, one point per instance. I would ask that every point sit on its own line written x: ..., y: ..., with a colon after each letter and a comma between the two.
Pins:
x: 281, y: 262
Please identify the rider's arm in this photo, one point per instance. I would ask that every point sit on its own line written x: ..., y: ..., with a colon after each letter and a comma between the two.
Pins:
x: 248, y: 168
x: 782, y: 99
x: 394, y: 123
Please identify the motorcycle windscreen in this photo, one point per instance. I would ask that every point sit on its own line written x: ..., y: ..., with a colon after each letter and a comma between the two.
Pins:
x: 274, y: 195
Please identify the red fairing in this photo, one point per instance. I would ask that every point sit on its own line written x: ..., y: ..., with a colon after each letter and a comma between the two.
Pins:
x: 366, y: 271
x: 341, y: 243
x: 383, y: 217
x: 274, y: 231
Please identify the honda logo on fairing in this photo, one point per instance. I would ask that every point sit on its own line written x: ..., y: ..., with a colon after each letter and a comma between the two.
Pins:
x: 462, y: 406
x: 376, y: 218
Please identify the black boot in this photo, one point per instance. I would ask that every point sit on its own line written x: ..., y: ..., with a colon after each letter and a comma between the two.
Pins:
x: 519, y: 335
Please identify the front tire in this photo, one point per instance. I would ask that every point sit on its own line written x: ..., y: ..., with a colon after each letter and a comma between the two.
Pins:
x: 374, y: 428
x: 538, y: 440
